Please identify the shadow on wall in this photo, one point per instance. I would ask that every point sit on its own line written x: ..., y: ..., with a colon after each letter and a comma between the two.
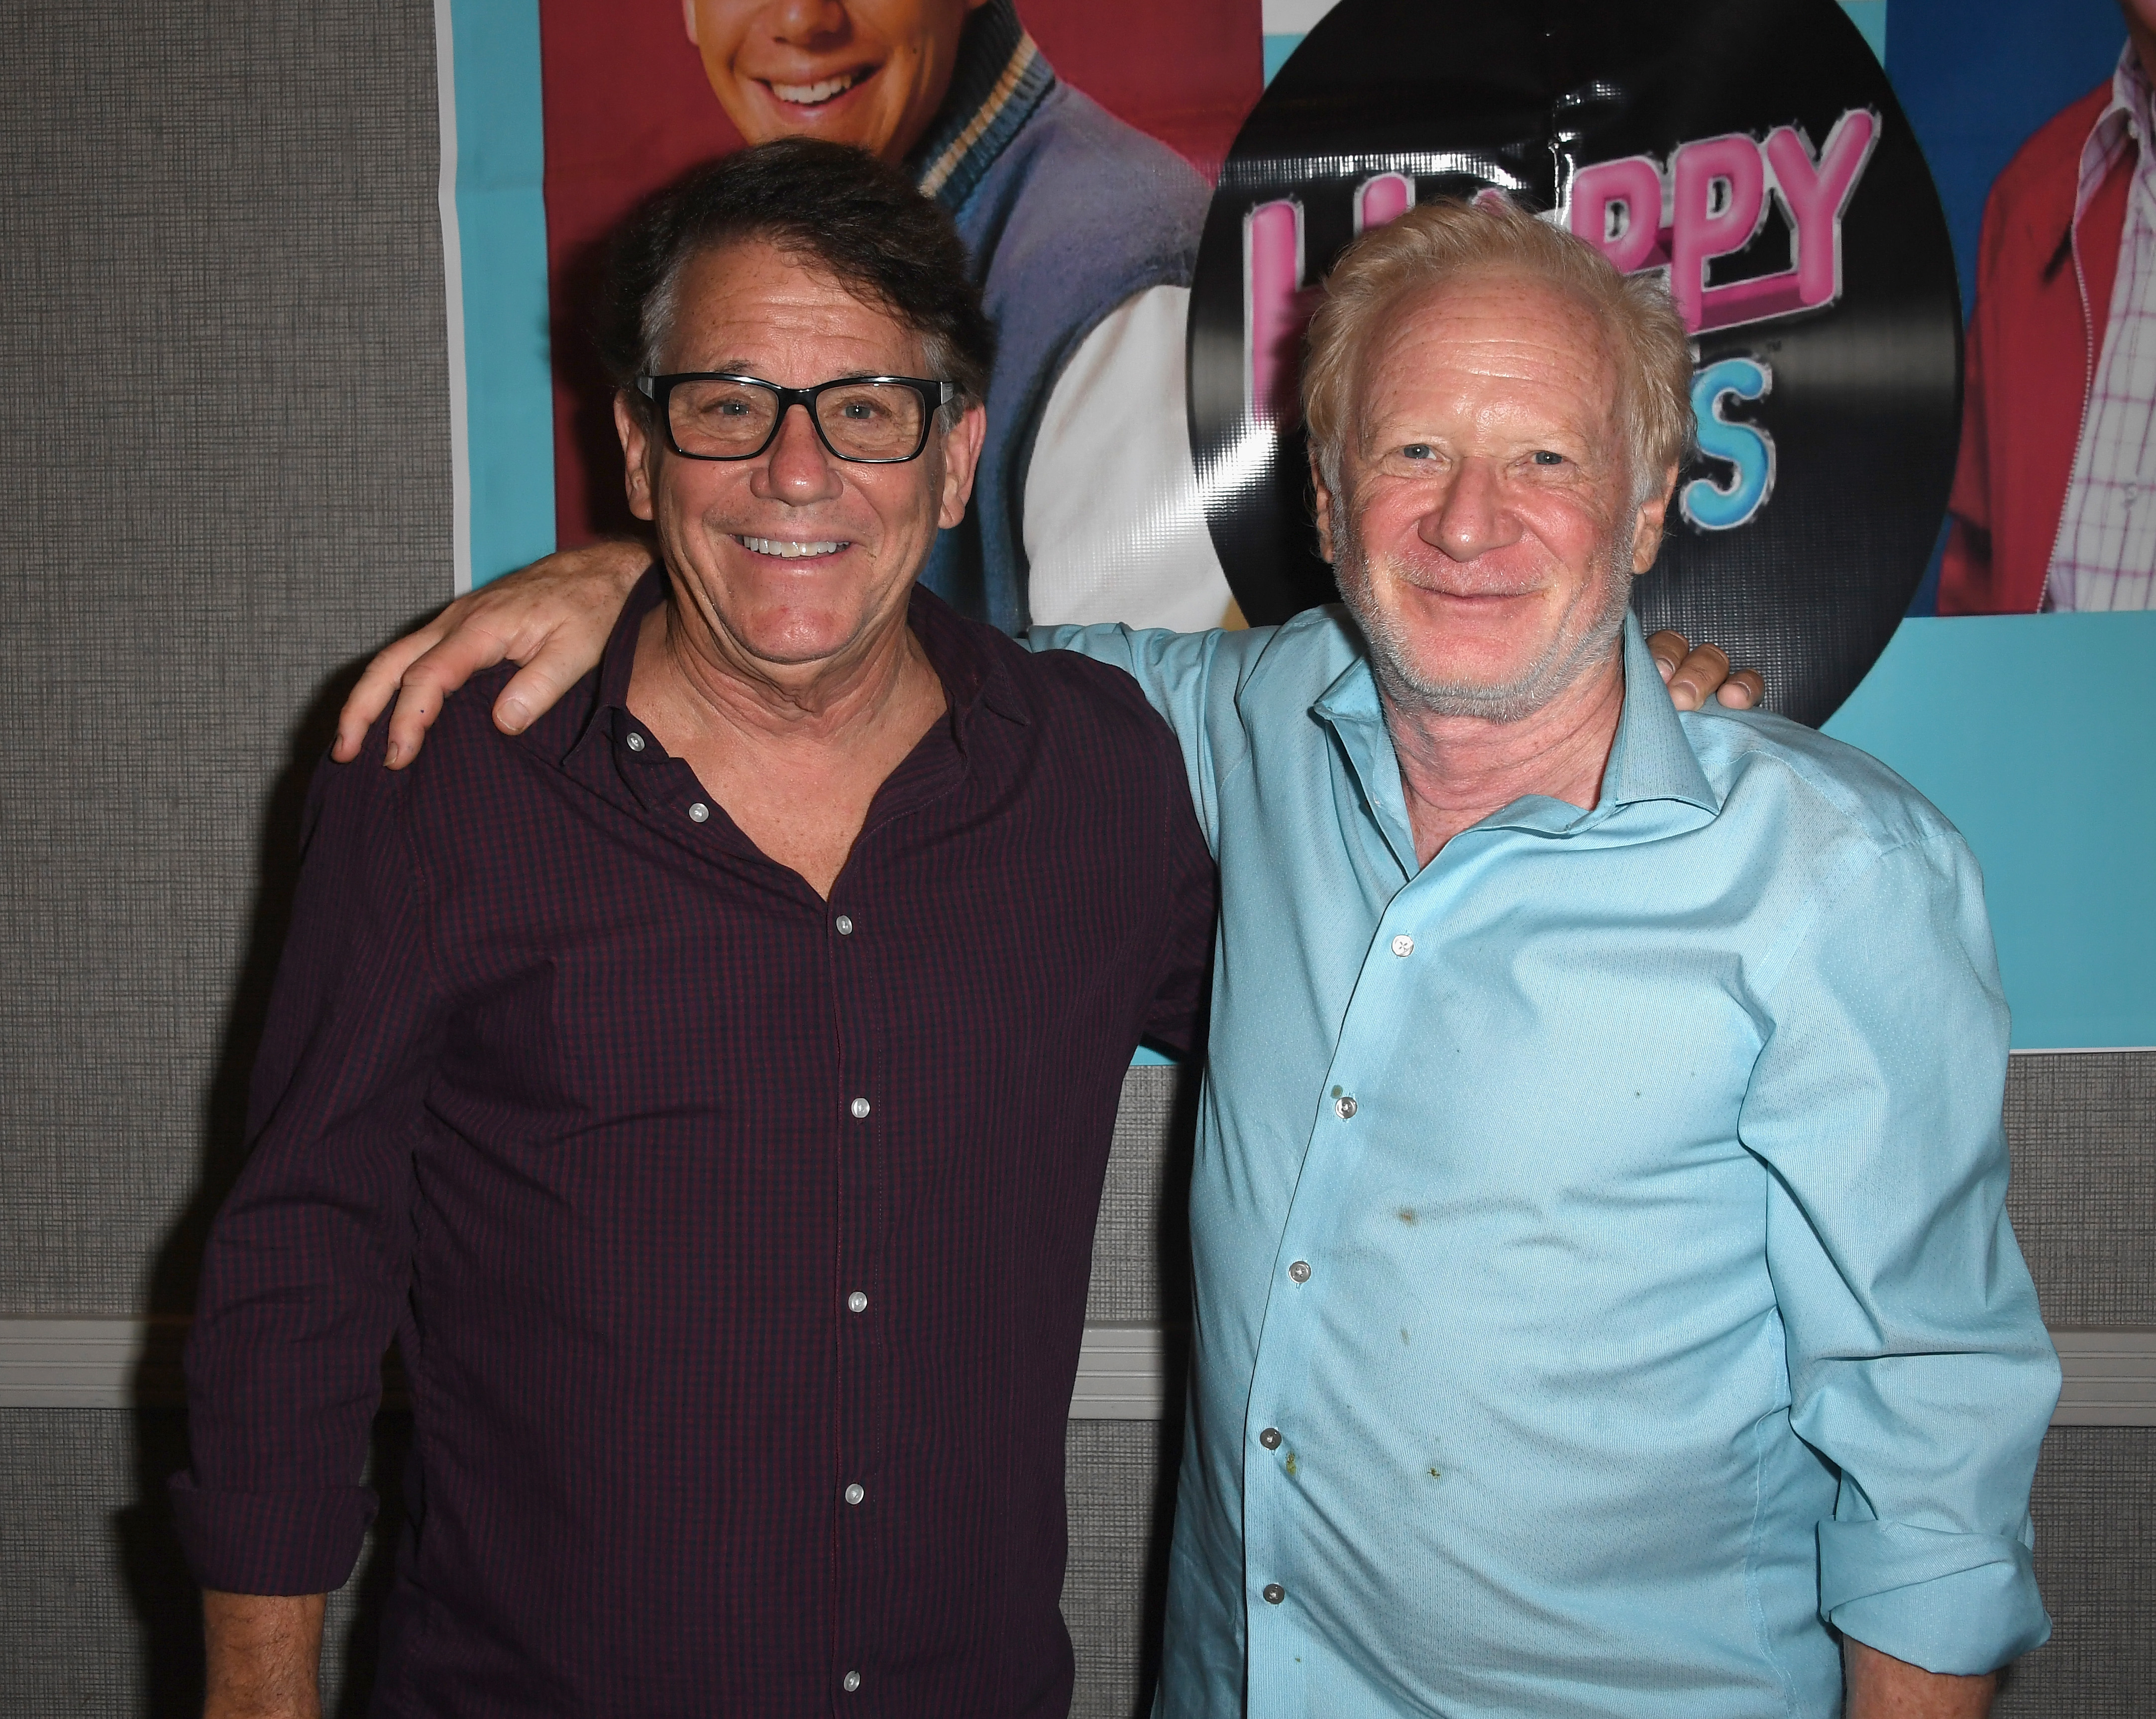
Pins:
x: 579, y: 298
x: 159, y: 1587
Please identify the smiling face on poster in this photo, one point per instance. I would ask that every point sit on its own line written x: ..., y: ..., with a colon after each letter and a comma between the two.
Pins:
x: 1072, y: 150
x: 871, y: 73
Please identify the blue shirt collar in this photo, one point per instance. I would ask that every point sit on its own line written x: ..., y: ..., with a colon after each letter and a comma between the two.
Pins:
x: 1652, y: 759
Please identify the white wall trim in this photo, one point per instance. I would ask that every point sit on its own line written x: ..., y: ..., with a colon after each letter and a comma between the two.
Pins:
x: 2088, y: 1050
x: 2110, y: 1376
x: 1124, y: 1372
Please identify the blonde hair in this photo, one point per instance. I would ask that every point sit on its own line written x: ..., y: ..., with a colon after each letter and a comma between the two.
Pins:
x: 1438, y: 242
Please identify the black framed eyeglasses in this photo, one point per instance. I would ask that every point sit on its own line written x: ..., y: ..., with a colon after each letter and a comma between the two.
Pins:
x: 870, y: 420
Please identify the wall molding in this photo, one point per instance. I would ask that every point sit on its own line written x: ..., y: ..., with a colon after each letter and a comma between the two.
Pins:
x: 1124, y: 1372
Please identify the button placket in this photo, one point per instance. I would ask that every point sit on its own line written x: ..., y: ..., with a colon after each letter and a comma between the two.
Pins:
x: 863, y: 1172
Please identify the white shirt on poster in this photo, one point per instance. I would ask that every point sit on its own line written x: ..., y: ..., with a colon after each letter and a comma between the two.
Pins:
x: 1114, y: 527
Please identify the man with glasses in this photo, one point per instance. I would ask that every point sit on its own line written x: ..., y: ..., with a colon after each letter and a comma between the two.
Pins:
x: 709, y: 1089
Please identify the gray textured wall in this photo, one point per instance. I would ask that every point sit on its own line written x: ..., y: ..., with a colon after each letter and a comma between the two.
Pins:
x: 223, y: 428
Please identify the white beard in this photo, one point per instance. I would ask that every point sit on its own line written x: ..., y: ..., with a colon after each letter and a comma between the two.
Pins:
x: 1573, y: 649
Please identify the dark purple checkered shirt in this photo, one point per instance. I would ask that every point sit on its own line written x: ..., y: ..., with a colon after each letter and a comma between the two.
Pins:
x: 736, y: 1242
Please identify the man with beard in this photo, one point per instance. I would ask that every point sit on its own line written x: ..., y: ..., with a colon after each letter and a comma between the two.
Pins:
x: 1604, y: 1299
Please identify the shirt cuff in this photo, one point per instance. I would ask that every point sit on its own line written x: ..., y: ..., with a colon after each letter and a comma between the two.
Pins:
x: 271, y: 1542
x: 1963, y: 1604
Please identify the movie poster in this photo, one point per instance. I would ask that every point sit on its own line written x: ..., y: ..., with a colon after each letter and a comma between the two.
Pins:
x: 1907, y: 407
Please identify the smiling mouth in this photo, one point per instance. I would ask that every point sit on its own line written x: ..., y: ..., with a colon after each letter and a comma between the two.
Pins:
x: 786, y: 549
x: 815, y: 94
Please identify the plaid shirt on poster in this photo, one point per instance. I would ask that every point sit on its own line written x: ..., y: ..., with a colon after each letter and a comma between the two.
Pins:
x: 2105, y: 558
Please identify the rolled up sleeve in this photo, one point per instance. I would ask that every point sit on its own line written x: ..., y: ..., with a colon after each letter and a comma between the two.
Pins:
x: 1919, y: 1362
x: 305, y: 1275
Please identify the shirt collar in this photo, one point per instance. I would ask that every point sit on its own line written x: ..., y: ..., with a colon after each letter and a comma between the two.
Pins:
x: 2124, y: 121
x: 1651, y: 758
x: 999, y: 80
x: 972, y: 675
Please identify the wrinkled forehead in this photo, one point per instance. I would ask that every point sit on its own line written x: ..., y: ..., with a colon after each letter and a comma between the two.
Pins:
x: 750, y: 295
x: 1493, y: 342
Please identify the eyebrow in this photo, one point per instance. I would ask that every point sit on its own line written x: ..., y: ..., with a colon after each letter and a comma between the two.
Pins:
x: 729, y: 367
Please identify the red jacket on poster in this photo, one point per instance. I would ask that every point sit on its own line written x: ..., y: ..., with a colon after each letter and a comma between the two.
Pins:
x: 2041, y: 303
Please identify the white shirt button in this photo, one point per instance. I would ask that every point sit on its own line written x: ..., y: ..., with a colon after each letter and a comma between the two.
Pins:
x: 850, y: 1682
x: 846, y: 926
x: 855, y: 1493
x: 636, y: 742
x: 1345, y: 1107
x: 1300, y: 1271
x: 860, y: 1107
x: 698, y: 811
x: 857, y: 1302
x: 1404, y: 945
x: 1274, y: 1592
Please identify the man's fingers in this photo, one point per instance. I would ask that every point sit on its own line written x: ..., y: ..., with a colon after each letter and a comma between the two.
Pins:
x: 1701, y: 673
x: 1668, y: 649
x: 1691, y: 675
x: 1744, y: 690
x: 430, y: 679
x: 538, y: 685
x: 377, y: 686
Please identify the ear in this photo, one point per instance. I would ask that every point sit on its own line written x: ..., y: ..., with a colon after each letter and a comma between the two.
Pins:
x: 960, y: 448
x: 639, y: 455
x: 1323, y: 497
x: 689, y: 19
x: 1647, y: 526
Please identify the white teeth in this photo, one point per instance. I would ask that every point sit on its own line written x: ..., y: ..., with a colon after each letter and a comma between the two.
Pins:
x: 789, y: 551
x: 808, y: 95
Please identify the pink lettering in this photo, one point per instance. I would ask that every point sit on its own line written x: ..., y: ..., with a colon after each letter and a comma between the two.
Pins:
x: 1817, y: 196
x: 1273, y: 310
x: 1719, y: 196
x: 1386, y: 198
x: 1617, y: 206
x: 1717, y: 200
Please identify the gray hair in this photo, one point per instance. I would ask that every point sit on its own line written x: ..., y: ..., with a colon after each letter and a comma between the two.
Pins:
x: 1441, y: 241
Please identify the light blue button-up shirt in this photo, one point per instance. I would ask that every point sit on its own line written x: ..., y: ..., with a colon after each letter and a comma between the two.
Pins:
x: 1602, y: 1271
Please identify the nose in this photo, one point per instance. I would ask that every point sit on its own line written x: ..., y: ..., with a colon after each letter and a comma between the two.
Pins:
x: 1471, y: 518
x: 797, y: 469
x: 806, y: 24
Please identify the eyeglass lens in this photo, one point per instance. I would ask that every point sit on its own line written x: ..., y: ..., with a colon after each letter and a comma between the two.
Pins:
x: 731, y: 420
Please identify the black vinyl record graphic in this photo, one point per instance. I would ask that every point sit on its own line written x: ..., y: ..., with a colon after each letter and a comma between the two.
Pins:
x: 1754, y: 151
